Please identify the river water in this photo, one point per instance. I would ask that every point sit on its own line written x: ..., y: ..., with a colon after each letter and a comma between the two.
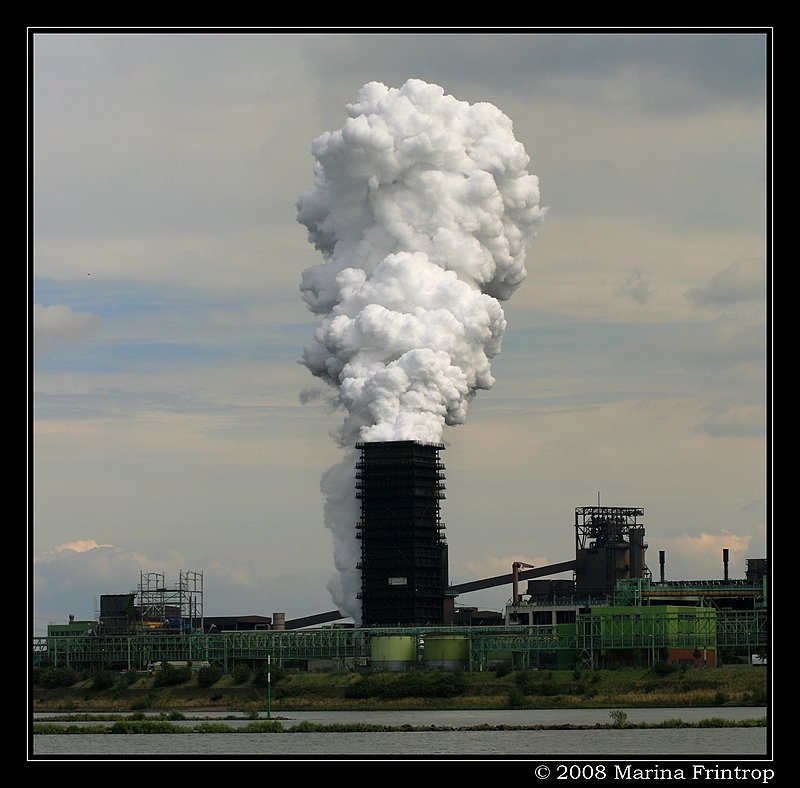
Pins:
x: 533, y: 745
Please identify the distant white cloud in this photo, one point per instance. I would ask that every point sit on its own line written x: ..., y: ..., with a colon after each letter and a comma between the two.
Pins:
x: 84, y: 561
x: 695, y: 550
x: 81, y: 546
x: 742, y: 280
x: 55, y: 326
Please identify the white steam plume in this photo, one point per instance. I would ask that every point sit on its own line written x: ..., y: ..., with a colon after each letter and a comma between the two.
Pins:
x: 422, y: 208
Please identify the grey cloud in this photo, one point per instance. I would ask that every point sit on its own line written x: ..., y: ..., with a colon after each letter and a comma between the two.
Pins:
x: 754, y: 507
x: 706, y: 347
x: 636, y: 287
x: 705, y: 68
x: 56, y: 326
x: 738, y: 421
x: 741, y: 281
x: 162, y: 133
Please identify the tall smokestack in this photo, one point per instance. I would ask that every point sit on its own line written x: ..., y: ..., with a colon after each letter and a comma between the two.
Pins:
x: 725, y: 562
x: 422, y: 209
x: 661, y: 560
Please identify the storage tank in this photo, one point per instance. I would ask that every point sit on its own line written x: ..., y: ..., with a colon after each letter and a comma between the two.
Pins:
x: 393, y: 652
x: 449, y: 652
x: 279, y: 621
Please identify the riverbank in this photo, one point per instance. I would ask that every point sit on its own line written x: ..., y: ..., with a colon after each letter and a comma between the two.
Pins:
x: 507, y: 734
x: 348, y: 691
x: 168, y: 724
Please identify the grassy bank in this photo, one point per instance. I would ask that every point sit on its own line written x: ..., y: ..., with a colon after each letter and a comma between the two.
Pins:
x: 145, y: 725
x: 424, y: 690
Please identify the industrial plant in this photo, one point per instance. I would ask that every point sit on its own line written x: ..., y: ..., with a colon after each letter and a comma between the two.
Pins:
x: 612, y: 612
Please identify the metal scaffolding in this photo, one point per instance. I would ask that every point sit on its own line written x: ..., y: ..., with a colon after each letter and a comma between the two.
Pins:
x: 177, y: 609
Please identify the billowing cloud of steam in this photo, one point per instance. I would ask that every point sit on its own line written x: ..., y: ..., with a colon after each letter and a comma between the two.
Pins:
x: 422, y: 209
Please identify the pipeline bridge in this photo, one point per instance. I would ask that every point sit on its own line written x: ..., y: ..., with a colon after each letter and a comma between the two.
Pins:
x: 525, y: 646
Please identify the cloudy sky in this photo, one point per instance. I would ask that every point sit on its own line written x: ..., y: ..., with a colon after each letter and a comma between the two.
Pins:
x: 168, y: 431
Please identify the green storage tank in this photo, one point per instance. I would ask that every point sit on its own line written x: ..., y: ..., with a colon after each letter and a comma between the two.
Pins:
x: 448, y: 652
x: 393, y: 652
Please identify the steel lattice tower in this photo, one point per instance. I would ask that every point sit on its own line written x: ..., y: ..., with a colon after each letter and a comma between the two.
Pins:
x: 403, y: 551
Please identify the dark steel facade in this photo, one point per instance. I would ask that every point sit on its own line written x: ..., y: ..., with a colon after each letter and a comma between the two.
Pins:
x: 403, y: 562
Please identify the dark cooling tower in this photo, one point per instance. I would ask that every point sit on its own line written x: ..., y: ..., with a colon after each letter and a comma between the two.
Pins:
x: 403, y: 552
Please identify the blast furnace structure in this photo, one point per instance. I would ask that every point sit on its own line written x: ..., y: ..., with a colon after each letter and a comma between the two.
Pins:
x: 609, y: 546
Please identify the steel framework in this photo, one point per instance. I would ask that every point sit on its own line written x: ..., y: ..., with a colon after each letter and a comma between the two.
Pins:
x: 609, y: 546
x: 741, y: 631
x: 179, y: 608
x: 403, y: 551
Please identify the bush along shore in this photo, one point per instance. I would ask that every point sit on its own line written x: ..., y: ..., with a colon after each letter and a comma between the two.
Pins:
x: 166, y: 723
x: 246, y: 690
